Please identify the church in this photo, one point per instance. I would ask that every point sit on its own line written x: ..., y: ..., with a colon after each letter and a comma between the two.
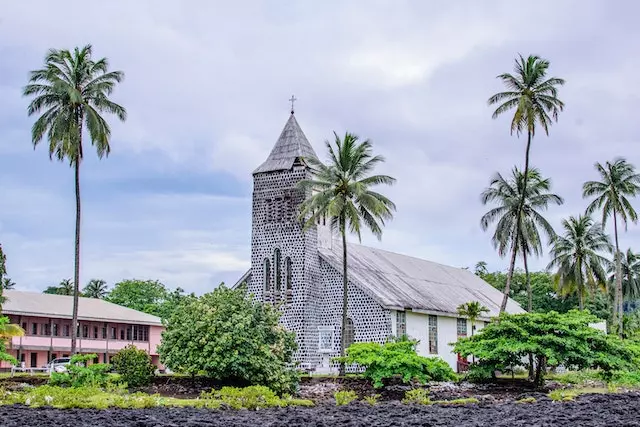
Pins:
x: 388, y: 293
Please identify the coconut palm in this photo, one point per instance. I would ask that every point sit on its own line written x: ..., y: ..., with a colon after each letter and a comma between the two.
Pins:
x: 534, y: 99
x: 630, y: 269
x: 472, y: 310
x: 7, y: 284
x: 481, y: 268
x: 3, y: 272
x: 508, y: 236
x: 619, y: 182
x: 64, y: 288
x: 72, y: 92
x: 341, y: 192
x: 577, y: 257
x: 96, y: 288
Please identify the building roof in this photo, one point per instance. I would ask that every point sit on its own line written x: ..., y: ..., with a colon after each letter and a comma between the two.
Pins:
x: 402, y: 282
x: 291, y: 145
x: 61, y: 306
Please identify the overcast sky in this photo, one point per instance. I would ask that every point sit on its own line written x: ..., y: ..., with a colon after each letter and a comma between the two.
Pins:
x: 206, y: 91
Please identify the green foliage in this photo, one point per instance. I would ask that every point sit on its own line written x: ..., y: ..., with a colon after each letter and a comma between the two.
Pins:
x: 562, y: 395
x: 148, y: 296
x: 628, y: 379
x: 4, y: 355
x: 526, y: 400
x: 372, y: 400
x: 134, y: 366
x: 418, y: 396
x: 64, y: 288
x: 96, y: 288
x: 461, y: 401
x: 80, y: 374
x: 254, y: 397
x: 229, y: 337
x: 576, y: 377
x: 344, y: 397
x: 553, y: 339
x: 397, y: 358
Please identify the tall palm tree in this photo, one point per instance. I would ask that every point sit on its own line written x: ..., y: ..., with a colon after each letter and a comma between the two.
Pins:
x: 72, y: 91
x: 7, y: 284
x: 472, y: 310
x: 3, y: 272
x: 517, y: 225
x: 341, y: 192
x: 96, y: 288
x: 481, y: 268
x: 577, y: 257
x: 619, y: 181
x: 630, y: 269
x: 534, y: 97
x: 65, y: 287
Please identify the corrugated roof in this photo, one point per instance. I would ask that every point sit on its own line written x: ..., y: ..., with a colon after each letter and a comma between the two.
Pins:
x: 291, y: 145
x: 402, y: 282
x: 36, y: 304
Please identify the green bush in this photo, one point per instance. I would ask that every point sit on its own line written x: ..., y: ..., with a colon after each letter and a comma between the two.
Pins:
x: 134, y: 366
x: 553, y: 339
x: 344, y: 397
x: 397, y: 358
x: 372, y: 400
x: 79, y: 374
x: 254, y: 397
x: 232, y: 338
x: 418, y: 396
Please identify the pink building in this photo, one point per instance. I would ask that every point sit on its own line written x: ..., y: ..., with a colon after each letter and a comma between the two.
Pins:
x: 104, y: 328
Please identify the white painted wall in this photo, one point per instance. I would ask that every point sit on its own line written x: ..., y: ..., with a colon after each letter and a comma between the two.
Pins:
x: 418, y: 328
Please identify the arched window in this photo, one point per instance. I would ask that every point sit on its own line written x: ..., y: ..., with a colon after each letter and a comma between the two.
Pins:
x: 278, y: 267
x: 267, y: 275
x: 349, y: 334
x: 289, y: 278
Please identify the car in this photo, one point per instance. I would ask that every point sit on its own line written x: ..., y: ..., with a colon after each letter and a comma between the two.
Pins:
x: 59, y: 365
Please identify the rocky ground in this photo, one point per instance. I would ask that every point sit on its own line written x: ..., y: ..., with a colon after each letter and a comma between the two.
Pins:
x: 585, y: 411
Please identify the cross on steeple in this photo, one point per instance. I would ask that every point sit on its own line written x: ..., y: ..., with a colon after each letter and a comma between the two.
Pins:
x: 292, y: 99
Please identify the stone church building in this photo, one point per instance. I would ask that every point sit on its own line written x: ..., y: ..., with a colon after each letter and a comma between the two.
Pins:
x: 389, y: 294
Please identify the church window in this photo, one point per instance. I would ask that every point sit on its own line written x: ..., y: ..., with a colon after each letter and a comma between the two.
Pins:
x: 433, y: 334
x: 401, y: 323
x: 278, y: 266
x: 325, y: 339
x: 267, y: 275
x: 462, y: 327
x: 287, y: 264
x: 349, y: 333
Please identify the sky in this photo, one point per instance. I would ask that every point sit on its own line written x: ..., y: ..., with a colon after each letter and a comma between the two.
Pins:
x: 206, y: 89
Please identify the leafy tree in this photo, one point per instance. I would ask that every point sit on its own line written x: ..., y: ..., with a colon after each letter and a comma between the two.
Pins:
x: 134, y: 366
x: 230, y: 338
x: 554, y: 339
x: 64, y: 288
x: 534, y: 97
x: 619, y: 182
x: 72, y: 91
x: 576, y: 256
x: 472, y: 310
x: 525, y: 238
x: 96, y: 288
x: 396, y: 357
x: 142, y: 295
x: 341, y: 192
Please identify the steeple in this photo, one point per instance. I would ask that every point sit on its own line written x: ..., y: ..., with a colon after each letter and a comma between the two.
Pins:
x: 291, y: 146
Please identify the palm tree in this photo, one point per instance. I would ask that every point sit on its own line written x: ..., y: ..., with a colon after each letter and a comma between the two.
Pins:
x: 481, y: 268
x: 472, y: 310
x: 7, y: 284
x: 73, y: 90
x: 9, y: 330
x: 517, y: 225
x: 534, y: 97
x: 619, y: 181
x: 341, y: 192
x: 576, y: 255
x: 630, y: 268
x: 96, y: 288
x: 65, y: 287
x: 3, y: 272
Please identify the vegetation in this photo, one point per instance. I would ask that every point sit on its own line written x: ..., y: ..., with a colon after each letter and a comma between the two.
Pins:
x: 340, y: 191
x: 148, y: 296
x: 229, y: 337
x: 577, y: 257
x: 134, y: 366
x: 418, y: 396
x: 72, y: 91
x: 534, y: 99
x: 81, y: 374
x: 630, y: 274
x: 344, y: 397
x: 619, y: 182
x: 372, y: 399
x: 472, y: 310
x: 552, y: 338
x: 397, y: 358
x: 96, y: 288
x: 254, y: 397
x: 64, y: 288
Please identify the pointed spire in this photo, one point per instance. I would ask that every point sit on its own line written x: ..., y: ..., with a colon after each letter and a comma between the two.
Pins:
x: 291, y: 146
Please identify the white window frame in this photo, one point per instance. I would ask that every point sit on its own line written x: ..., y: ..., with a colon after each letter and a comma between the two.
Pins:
x: 324, y: 330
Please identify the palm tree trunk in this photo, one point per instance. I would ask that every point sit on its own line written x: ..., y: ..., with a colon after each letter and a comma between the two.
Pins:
x: 345, y: 284
x: 618, y: 293
x: 529, y: 305
x: 76, y: 267
x: 507, y: 288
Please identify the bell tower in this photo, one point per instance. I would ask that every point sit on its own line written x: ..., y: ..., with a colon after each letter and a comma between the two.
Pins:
x: 285, y: 266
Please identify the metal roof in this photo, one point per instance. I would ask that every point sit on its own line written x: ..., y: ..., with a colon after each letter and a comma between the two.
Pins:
x: 291, y: 145
x: 403, y: 282
x: 61, y: 306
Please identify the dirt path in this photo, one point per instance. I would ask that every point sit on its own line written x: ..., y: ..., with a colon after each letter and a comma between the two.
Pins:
x: 593, y: 410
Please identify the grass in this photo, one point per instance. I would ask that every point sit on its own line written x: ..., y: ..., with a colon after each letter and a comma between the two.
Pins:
x: 345, y: 397
x: 526, y: 400
x: 566, y: 395
x: 463, y: 401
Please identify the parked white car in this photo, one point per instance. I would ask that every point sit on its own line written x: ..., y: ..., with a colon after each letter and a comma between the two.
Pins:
x: 59, y: 365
